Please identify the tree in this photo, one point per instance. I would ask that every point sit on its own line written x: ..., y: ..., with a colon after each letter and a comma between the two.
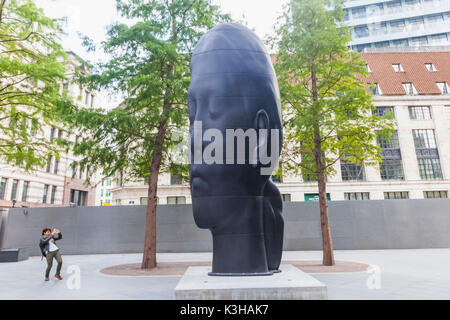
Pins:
x: 327, y: 106
x: 31, y: 74
x: 150, y: 65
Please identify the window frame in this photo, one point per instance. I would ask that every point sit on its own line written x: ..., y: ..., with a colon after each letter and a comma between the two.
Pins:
x: 420, y: 113
x: 411, y: 88
x: 443, y: 194
x: 403, y: 195
x: 357, y: 196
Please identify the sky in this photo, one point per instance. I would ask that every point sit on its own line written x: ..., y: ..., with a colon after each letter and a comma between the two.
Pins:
x: 91, y: 17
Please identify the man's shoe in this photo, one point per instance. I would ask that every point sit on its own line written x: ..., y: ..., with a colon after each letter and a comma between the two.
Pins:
x: 57, y: 276
x: 46, y: 279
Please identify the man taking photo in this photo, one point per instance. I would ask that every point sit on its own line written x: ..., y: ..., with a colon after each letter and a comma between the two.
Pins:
x: 51, y: 251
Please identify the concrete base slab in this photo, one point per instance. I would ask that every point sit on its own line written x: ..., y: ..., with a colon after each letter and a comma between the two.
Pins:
x: 290, y: 284
x: 13, y: 255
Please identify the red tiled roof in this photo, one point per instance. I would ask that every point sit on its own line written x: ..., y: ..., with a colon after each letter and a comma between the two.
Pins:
x: 413, y: 63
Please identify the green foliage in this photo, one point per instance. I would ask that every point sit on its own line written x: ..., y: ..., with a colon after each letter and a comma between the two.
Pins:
x: 327, y: 107
x: 149, y: 66
x: 31, y: 73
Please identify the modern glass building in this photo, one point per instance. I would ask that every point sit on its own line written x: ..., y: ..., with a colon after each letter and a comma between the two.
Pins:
x: 398, y: 23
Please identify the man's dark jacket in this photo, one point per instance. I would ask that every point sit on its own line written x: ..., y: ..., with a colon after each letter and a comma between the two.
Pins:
x: 44, y: 242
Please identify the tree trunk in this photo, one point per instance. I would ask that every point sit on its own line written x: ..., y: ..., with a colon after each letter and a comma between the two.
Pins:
x: 327, y: 241
x: 149, y: 256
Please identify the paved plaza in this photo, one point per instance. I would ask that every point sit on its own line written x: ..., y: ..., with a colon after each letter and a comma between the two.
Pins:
x: 395, y: 274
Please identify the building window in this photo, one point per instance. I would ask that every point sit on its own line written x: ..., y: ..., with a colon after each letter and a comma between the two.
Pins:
x: 376, y: 89
x: 361, y: 31
x: 131, y: 203
x: 416, y: 23
x: 443, y: 86
x: 411, y: 3
x: 401, y: 43
x: 107, y: 193
x: 26, y: 184
x: 359, y: 13
x: 286, y: 197
x: 435, y: 194
x: 45, y: 195
x: 419, y: 41
x: 392, y: 167
x: 92, y: 100
x: 420, y: 113
x: 439, y: 39
x: 277, y: 179
x: 315, y: 197
x: 357, y: 196
x: 375, y: 10
x: 398, y: 26
x: 52, y: 199
x: 175, y: 179
x: 352, y: 172
x: 362, y: 47
x: 3, y: 183
x: 78, y: 197
x: 383, y: 111
x: 398, y: 67
x: 144, y: 201
x: 55, y: 170
x: 14, y: 189
x: 447, y: 112
x: 434, y: 19
x: 424, y: 139
x: 394, y: 6
x: 176, y: 200
x: 52, y: 134
x: 49, y: 164
x: 409, y: 89
x: 430, y: 169
x: 382, y: 44
x: 427, y: 154
x: 378, y: 28
x: 392, y: 143
x: 392, y: 170
x: 396, y: 195
x: 430, y: 67
x: 86, y: 101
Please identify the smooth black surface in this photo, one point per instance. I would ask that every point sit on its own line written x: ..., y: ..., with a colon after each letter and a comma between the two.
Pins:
x: 234, y: 86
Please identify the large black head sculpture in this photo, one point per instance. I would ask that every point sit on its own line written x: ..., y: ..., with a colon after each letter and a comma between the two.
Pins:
x: 234, y: 97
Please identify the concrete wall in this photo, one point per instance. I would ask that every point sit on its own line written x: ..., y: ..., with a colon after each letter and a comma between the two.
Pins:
x: 393, y: 224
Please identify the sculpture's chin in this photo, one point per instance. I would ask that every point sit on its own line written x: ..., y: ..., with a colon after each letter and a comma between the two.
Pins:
x: 206, y: 215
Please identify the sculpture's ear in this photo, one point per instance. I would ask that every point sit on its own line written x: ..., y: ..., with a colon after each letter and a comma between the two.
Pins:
x: 262, y: 123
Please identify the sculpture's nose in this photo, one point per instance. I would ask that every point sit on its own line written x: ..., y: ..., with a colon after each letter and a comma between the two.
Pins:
x: 199, y: 185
